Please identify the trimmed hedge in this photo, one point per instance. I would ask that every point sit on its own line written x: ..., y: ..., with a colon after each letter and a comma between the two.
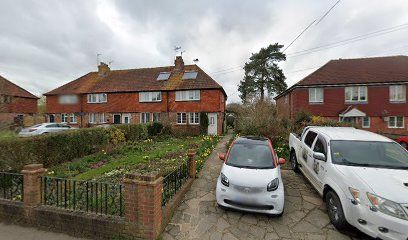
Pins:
x: 58, y: 148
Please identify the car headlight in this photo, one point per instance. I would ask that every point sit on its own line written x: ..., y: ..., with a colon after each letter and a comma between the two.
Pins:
x: 273, y: 185
x: 355, y: 194
x: 224, y: 180
x: 387, y: 206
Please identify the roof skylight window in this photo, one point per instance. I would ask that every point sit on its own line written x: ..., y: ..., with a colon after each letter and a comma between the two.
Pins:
x: 164, y: 76
x: 190, y: 75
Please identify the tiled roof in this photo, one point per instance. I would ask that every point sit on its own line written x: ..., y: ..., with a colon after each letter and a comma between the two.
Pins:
x: 358, y: 71
x: 134, y: 80
x: 11, y: 89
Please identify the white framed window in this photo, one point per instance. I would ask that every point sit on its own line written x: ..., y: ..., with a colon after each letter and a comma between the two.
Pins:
x: 156, y: 117
x: 181, y: 118
x: 396, y: 122
x: 356, y: 94
x: 398, y: 93
x: 92, y: 117
x: 126, y: 118
x: 102, y: 118
x: 64, y: 118
x: 150, y: 96
x: 189, y: 95
x: 97, y: 98
x: 315, y: 95
x: 73, y: 118
x: 365, y: 122
x: 145, y: 117
x: 194, y: 118
x: 68, y: 99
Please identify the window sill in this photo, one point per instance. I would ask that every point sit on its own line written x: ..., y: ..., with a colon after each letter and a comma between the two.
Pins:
x: 316, y: 103
x: 96, y: 102
x: 356, y: 102
x: 150, y: 101
x: 398, y: 102
x: 181, y: 123
x: 197, y: 100
x: 396, y: 127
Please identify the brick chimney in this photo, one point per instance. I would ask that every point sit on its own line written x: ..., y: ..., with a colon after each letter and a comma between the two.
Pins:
x: 179, y: 63
x: 103, y: 69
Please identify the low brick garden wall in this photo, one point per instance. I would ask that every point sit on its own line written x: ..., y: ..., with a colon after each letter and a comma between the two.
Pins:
x: 148, y: 206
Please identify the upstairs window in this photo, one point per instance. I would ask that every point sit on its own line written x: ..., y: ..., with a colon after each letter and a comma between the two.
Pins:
x: 356, y: 94
x: 5, y: 99
x: 163, y: 76
x: 190, y: 95
x: 150, y: 97
x: 397, y: 93
x: 190, y: 75
x: 98, y: 98
x: 315, y: 95
x: 68, y: 99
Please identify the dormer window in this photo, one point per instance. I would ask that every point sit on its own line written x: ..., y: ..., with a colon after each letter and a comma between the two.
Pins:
x: 163, y: 76
x: 190, y: 75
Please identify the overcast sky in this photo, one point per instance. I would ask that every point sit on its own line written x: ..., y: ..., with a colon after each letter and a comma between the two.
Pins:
x: 44, y: 44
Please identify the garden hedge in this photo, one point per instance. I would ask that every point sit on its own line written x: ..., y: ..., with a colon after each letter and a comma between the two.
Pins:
x: 58, y: 148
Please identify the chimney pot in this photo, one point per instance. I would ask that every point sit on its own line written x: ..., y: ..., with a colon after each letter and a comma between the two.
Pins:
x: 103, y: 69
x: 179, y: 63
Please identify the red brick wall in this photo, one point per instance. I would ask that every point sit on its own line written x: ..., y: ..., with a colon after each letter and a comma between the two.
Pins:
x: 210, y: 101
x: 334, y: 103
x: 20, y: 105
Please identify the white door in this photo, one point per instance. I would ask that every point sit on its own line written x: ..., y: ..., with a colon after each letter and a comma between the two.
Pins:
x: 212, y: 124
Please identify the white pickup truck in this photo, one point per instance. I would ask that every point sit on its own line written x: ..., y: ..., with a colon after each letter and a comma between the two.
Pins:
x: 362, y: 177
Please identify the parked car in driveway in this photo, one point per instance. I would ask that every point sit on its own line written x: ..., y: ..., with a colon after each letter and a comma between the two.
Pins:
x: 362, y: 176
x: 250, y: 178
x: 44, y: 128
x: 403, y: 141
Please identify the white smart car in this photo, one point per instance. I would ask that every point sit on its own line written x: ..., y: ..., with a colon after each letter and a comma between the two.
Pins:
x: 250, y: 178
x: 362, y: 176
x: 44, y: 128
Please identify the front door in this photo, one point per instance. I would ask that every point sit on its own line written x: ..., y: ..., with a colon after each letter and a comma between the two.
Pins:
x: 126, y: 118
x: 212, y: 124
x: 116, y: 119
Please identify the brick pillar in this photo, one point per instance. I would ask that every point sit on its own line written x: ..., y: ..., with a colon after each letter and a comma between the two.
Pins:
x: 32, y: 184
x: 143, y: 204
x: 192, y: 164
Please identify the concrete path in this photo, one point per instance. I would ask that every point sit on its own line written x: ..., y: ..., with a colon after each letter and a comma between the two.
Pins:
x: 199, y: 217
x: 14, y: 232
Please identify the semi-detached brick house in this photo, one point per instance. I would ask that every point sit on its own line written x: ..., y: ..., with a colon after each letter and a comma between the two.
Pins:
x: 370, y: 92
x: 178, y: 93
x: 15, y: 103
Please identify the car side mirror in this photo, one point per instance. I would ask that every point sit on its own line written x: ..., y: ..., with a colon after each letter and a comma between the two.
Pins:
x: 319, y: 156
x: 221, y: 156
x: 282, y: 161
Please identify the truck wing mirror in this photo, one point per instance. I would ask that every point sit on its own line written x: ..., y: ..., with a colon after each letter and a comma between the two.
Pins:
x: 319, y: 156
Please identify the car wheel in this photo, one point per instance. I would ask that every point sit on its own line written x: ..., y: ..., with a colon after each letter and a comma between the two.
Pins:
x: 404, y: 145
x: 335, y: 211
x: 294, y: 162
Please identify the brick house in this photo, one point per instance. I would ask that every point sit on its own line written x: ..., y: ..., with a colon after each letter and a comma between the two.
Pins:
x: 176, y: 93
x: 370, y: 92
x: 16, y: 104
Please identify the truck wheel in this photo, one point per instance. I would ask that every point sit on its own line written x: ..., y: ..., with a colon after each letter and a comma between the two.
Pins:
x: 335, y: 211
x: 294, y: 163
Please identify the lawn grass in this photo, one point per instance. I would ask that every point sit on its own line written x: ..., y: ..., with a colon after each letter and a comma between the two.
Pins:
x: 7, y: 135
x: 161, y: 154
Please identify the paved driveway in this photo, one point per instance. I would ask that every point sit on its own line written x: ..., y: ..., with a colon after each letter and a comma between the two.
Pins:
x: 198, y: 217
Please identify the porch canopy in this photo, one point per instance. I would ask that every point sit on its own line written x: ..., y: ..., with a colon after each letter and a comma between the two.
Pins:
x: 352, y: 112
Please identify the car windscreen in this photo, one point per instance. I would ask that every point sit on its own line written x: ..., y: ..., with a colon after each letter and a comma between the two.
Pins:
x: 369, y: 154
x: 244, y: 155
